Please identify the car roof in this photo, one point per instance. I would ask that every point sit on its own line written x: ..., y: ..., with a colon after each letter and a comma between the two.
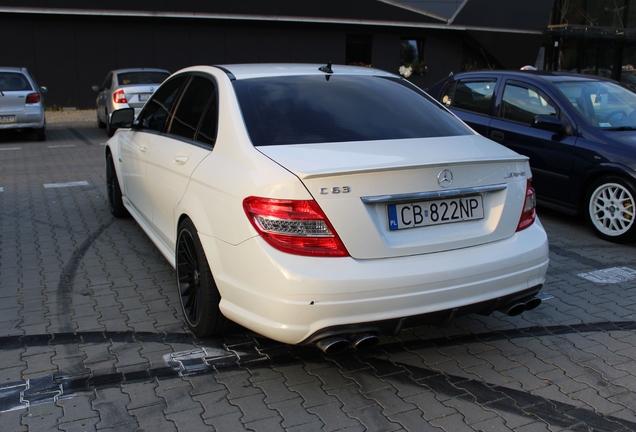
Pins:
x: 548, y: 76
x: 262, y: 70
x: 12, y: 69
x: 116, y: 71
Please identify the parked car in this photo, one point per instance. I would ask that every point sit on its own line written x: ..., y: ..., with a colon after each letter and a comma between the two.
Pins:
x: 327, y: 205
x: 125, y: 88
x: 21, y: 102
x: 579, y: 132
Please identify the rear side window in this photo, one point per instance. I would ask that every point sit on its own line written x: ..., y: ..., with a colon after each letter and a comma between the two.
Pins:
x: 473, y: 95
x: 129, y: 78
x: 198, y: 99
x: 314, y: 109
x: 11, y: 81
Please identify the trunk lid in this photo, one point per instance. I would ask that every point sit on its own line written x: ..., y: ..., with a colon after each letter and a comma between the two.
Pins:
x: 137, y: 95
x: 365, y: 187
x: 13, y: 101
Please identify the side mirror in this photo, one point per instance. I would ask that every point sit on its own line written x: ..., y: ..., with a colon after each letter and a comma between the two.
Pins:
x: 122, y: 118
x: 549, y: 123
x: 95, y: 88
x: 43, y: 89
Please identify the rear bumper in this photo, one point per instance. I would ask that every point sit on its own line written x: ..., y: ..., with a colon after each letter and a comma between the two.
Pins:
x: 295, y: 299
x: 31, y: 118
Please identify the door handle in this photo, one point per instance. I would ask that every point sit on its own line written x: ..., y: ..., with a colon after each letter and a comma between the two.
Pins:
x: 181, y: 159
x: 497, y: 136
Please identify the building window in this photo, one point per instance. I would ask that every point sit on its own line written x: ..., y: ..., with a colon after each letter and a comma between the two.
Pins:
x: 412, y: 56
x: 359, y: 49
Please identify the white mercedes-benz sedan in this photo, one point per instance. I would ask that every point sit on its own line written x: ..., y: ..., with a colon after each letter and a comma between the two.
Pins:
x: 324, y: 204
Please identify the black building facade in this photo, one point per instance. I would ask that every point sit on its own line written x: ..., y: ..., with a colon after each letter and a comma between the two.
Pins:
x: 71, y: 45
x: 594, y: 37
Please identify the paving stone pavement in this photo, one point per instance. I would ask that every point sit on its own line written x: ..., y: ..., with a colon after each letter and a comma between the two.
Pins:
x: 92, y: 336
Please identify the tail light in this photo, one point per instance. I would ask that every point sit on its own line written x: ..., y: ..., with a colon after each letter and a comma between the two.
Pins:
x: 33, y: 98
x: 294, y: 226
x: 120, y: 97
x: 529, y: 213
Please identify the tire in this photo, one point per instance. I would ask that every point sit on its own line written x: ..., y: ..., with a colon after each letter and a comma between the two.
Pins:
x: 611, y: 209
x: 100, y: 123
x: 110, y: 130
x: 197, y: 290
x: 40, y: 134
x: 115, y: 201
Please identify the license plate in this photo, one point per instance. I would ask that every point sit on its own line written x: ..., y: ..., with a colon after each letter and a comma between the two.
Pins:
x: 425, y: 213
x: 144, y: 97
x: 4, y: 119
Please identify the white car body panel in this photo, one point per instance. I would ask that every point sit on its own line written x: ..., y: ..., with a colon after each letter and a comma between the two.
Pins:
x: 389, y: 275
x: 132, y: 155
x: 288, y: 298
x: 170, y: 165
x: 408, y: 166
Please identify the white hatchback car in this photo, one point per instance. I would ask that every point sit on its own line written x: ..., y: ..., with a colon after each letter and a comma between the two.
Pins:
x: 324, y: 205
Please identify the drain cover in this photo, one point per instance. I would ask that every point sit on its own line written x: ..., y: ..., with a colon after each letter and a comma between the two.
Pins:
x: 610, y: 275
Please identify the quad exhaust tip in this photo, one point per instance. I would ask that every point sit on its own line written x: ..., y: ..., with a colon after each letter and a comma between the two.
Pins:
x: 364, y: 341
x: 333, y: 345
x: 337, y: 344
x: 516, y: 308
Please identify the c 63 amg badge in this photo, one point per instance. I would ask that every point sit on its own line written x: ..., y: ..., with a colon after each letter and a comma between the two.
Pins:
x: 335, y: 190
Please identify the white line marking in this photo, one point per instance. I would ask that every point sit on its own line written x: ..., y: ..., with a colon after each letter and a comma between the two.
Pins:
x: 61, y: 145
x: 61, y: 185
x: 11, y: 148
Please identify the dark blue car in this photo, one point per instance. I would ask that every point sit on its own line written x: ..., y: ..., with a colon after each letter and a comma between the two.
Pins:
x: 579, y: 132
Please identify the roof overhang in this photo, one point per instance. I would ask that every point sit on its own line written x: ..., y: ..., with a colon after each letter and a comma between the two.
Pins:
x: 249, y: 17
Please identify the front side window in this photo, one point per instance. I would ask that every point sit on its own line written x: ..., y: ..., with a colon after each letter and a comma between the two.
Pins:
x: 472, y: 95
x: 196, y: 100
x: 601, y: 104
x: 339, y: 108
x: 156, y: 111
x: 108, y: 82
x: 522, y: 104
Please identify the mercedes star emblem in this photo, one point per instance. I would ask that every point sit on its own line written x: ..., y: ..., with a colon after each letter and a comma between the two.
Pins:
x: 445, y: 178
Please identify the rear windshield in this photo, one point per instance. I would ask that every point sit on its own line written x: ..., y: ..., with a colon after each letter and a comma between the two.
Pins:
x: 12, y: 81
x: 126, y: 78
x: 315, y: 109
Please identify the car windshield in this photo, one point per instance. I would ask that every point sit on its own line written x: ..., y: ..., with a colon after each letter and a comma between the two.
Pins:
x: 339, y: 108
x: 11, y: 81
x: 602, y: 104
x: 142, y: 77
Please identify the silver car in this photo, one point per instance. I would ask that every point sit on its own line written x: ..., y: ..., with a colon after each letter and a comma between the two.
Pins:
x: 21, y: 102
x: 126, y: 88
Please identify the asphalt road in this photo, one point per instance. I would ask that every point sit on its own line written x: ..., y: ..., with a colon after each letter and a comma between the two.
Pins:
x: 92, y: 336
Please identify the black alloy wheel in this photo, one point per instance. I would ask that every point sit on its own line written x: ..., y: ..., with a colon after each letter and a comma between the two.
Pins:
x: 197, y: 290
